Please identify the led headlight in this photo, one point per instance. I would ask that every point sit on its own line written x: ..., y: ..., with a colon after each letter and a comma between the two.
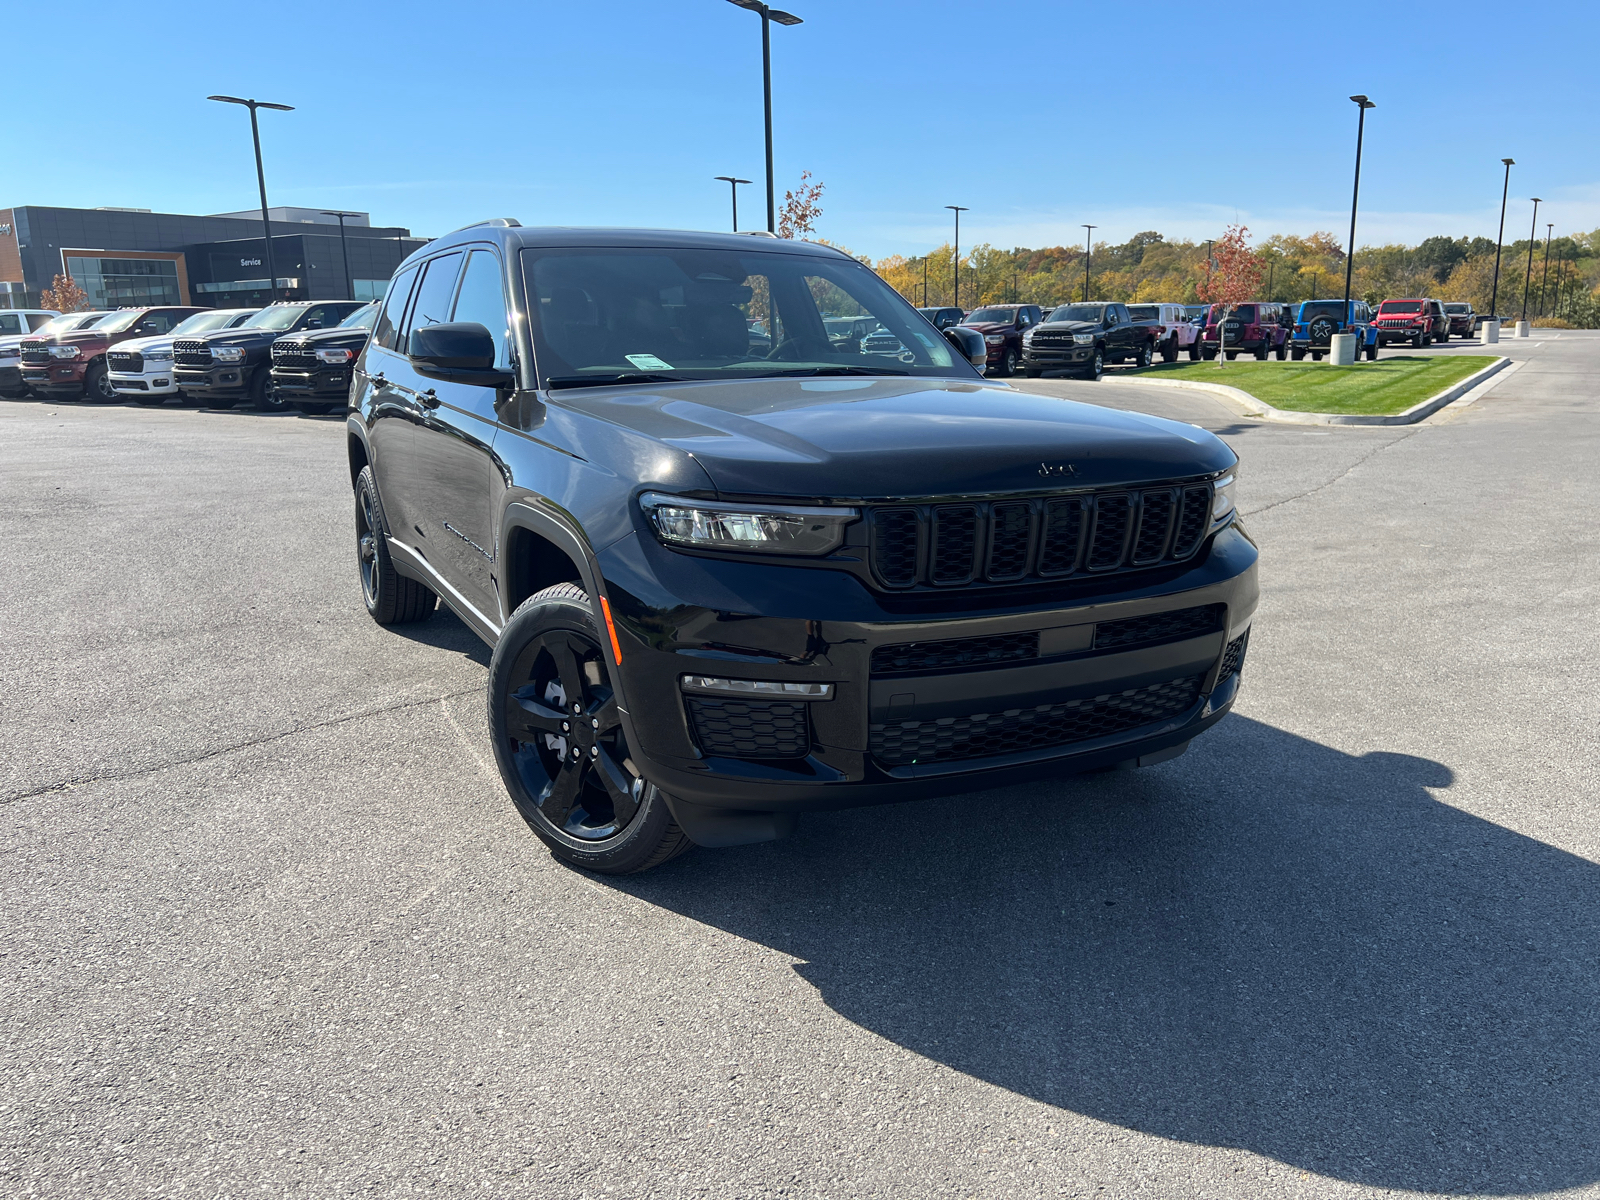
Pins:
x: 769, y: 689
x: 1222, y: 506
x: 1027, y: 338
x: 334, y: 357
x: 65, y: 351
x: 158, y: 356
x: 1083, y: 339
x: 228, y: 354
x: 994, y: 339
x: 748, y: 528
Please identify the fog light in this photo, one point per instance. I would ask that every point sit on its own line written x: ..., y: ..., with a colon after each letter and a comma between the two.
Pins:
x: 767, y: 689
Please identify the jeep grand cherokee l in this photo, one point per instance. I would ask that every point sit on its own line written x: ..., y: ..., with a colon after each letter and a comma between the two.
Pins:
x: 724, y: 587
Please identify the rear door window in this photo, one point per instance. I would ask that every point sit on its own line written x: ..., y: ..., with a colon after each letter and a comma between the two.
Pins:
x: 387, y: 331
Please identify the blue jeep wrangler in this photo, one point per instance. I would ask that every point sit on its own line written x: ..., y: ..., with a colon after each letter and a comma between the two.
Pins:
x: 1318, y: 320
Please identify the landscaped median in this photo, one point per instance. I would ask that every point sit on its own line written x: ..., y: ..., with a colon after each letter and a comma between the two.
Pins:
x: 1393, y: 390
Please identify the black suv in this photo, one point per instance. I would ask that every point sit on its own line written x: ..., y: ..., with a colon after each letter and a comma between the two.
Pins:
x: 725, y: 583
x: 231, y: 365
x: 311, y: 371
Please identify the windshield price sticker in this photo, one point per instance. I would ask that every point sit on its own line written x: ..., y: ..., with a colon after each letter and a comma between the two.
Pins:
x: 647, y: 362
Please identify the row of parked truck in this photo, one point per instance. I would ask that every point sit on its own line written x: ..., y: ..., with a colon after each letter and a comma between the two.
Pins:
x: 291, y: 355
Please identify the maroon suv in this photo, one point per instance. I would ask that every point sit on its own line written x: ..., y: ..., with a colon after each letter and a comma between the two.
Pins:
x: 1259, y: 327
x: 1002, y: 326
x: 73, y: 364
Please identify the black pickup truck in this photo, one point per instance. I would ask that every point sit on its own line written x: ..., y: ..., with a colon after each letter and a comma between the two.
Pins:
x: 727, y: 582
x: 311, y: 371
x: 230, y: 365
x: 1083, y: 338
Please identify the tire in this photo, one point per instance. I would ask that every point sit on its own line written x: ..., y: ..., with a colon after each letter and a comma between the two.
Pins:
x: 1416, y: 341
x: 1262, y: 351
x: 1097, y: 365
x: 568, y: 780
x: 1008, y: 364
x: 1232, y: 354
x: 1194, y: 351
x: 1316, y: 356
x: 1372, y: 352
x: 390, y: 597
x: 263, y: 397
x: 1169, y: 349
x: 97, y: 387
x: 1281, y: 351
x: 1145, y: 358
x: 1208, y: 354
x: 313, y: 410
x: 1297, y: 354
x: 1427, y: 339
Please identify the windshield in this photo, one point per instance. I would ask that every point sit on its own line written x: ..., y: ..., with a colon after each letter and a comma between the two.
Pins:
x: 1400, y: 306
x: 996, y: 316
x: 276, y: 317
x: 1144, y: 312
x: 1245, y: 313
x: 1457, y: 308
x: 69, y: 322
x: 118, y: 322
x: 202, y: 322
x: 1079, y: 312
x: 604, y: 314
x: 362, y: 318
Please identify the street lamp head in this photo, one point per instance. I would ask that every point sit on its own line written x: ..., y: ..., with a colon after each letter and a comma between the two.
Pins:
x: 1363, y: 102
x: 958, y: 207
x: 783, y: 18
x: 765, y: 10
x: 1510, y: 162
x: 252, y: 103
x: 730, y: 179
x: 1536, y: 199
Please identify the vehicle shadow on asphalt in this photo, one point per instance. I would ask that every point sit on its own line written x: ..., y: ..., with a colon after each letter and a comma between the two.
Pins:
x: 1267, y: 944
x: 445, y: 631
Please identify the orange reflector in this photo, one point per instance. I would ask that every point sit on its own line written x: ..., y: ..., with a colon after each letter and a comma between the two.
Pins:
x: 605, y: 607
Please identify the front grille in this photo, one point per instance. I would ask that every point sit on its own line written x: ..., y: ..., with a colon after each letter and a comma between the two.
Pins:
x: 129, y: 361
x: 750, y: 728
x: 186, y: 353
x: 1049, y: 339
x: 1233, y: 656
x: 983, y: 735
x: 292, y: 354
x: 950, y: 545
x: 910, y: 658
x: 36, y: 352
x: 1158, y: 627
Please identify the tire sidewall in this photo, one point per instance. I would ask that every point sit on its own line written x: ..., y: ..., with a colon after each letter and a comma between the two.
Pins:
x: 629, y: 849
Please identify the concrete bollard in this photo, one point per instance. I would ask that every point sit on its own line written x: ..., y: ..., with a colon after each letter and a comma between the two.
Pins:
x: 1491, y: 332
x: 1522, y: 329
x: 1342, y: 350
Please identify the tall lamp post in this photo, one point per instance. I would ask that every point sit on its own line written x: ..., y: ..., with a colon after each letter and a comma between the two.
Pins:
x: 733, y: 186
x: 344, y: 252
x: 924, y: 281
x: 1527, y: 278
x: 1350, y: 258
x: 1088, y: 249
x: 955, y: 273
x: 768, y: 14
x: 1494, y: 292
x: 261, y: 177
x: 1545, y: 274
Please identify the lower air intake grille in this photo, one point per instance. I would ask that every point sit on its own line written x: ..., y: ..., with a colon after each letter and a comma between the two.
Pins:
x: 983, y: 735
x: 750, y: 728
x: 908, y: 658
x: 1233, y: 656
x: 1158, y: 627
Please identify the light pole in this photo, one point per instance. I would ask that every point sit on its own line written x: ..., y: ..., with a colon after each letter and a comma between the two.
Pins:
x: 344, y: 252
x: 768, y: 14
x: 955, y: 273
x: 1088, y: 249
x: 1350, y: 259
x: 1494, y: 292
x: 1527, y: 278
x: 733, y: 186
x: 261, y: 177
x: 1545, y: 273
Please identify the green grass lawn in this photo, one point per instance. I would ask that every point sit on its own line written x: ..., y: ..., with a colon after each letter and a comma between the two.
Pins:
x: 1389, y: 385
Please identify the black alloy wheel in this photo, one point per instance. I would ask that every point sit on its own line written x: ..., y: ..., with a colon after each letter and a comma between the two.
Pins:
x: 1097, y: 365
x: 97, y: 385
x: 263, y: 396
x: 563, y: 754
x: 390, y: 597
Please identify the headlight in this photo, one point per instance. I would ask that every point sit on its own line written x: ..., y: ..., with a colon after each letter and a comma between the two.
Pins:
x: 1222, y: 497
x: 994, y: 339
x: 1027, y: 338
x: 1083, y: 339
x: 228, y: 354
x: 334, y: 357
x: 749, y: 528
x: 158, y: 356
x: 65, y: 351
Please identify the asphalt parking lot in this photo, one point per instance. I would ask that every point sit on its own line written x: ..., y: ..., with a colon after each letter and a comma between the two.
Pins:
x: 274, y: 929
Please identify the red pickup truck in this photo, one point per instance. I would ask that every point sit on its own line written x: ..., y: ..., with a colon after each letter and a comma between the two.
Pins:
x: 72, y: 364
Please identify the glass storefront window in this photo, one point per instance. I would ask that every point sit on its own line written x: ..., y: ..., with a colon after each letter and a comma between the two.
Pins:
x: 126, y: 282
x: 368, y: 289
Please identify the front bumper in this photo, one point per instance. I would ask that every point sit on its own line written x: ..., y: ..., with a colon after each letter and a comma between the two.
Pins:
x: 894, y: 734
x: 149, y: 383
x: 231, y: 380
x: 1385, y: 336
x: 1056, y: 358
x: 55, y: 377
x: 330, y: 385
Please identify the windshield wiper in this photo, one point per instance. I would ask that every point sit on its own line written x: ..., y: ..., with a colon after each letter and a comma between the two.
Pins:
x: 578, y: 381
x: 841, y: 371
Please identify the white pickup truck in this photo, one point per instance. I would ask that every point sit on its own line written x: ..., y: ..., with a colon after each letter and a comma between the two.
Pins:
x: 1176, y: 333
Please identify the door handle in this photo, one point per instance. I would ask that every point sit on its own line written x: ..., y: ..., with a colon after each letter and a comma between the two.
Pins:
x: 429, y: 398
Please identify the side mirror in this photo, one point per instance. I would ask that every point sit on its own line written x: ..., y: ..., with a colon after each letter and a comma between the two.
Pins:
x: 313, y: 324
x: 969, y: 344
x: 457, y: 352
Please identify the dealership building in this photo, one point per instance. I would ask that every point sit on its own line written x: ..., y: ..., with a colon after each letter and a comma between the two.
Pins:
x: 126, y: 258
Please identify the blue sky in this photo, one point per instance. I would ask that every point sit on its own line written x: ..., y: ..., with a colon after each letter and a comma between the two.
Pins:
x: 1038, y: 115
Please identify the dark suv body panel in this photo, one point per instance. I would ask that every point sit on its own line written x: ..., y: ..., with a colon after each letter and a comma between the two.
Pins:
x: 1032, y: 587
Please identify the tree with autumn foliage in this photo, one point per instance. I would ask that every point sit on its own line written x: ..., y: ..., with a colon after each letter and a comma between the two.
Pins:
x: 801, y: 208
x: 63, y: 295
x: 1234, y: 277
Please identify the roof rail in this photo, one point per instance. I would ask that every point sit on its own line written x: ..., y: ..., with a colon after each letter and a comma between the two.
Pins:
x: 497, y: 222
x: 757, y: 233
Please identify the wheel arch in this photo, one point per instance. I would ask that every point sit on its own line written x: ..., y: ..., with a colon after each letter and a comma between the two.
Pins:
x: 356, y: 449
x: 539, y: 550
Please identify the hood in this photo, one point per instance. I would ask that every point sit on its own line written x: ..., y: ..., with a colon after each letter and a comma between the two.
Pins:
x: 890, y: 438
x: 332, y: 338
x: 1072, y: 326
x: 989, y: 326
x: 161, y: 341
x: 243, y: 336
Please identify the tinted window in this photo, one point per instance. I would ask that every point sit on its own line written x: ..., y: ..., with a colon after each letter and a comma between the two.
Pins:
x: 1145, y: 312
x: 1245, y: 313
x: 387, y: 331
x: 997, y: 316
x: 1321, y: 308
x: 1079, y: 312
x: 160, y: 322
x: 434, y: 293
x: 10, y: 323
x: 483, y: 299
x: 323, y: 316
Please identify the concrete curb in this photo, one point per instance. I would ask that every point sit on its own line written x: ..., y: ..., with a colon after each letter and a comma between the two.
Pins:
x: 1248, y: 406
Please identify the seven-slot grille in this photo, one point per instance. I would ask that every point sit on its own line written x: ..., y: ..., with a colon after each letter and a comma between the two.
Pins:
x: 37, y: 351
x: 130, y: 361
x: 292, y: 354
x: 1047, y: 537
x: 187, y: 353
